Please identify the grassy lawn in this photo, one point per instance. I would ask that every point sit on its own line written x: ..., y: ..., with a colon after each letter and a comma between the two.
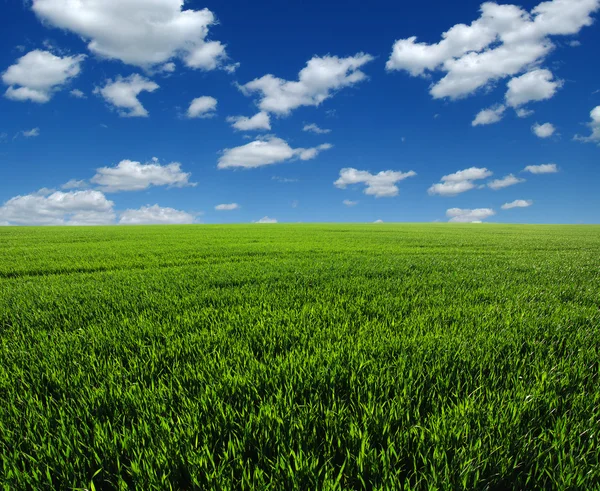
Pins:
x: 439, y: 356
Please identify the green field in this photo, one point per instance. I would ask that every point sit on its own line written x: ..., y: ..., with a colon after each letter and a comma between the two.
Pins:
x: 303, y: 357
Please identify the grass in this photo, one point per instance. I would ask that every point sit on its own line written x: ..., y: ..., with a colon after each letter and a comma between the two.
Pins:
x: 421, y: 357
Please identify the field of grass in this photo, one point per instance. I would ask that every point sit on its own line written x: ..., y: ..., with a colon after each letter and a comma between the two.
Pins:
x: 417, y: 357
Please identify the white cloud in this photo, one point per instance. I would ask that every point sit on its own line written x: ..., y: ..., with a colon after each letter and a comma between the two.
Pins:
x: 155, y: 215
x: 348, y: 202
x: 266, y: 151
x: 266, y: 220
x: 75, y: 184
x: 469, y: 216
x: 202, y: 107
x: 38, y: 74
x: 316, y: 83
x: 283, y: 179
x: 140, y: 33
x: 378, y: 221
x: 123, y: 92
x: 594, y: 126
x: 541, y: 169
x: 536, y: 85
x: 380, y: 185
x: 313, y: 128
x: 31, y: 133
x: 227, y: 207
x: 504, y: 41
x: 490, y: 115
x: 78, y: 94
x: 506, y: 181
x: 545, y: 130
x: 260, y: 121
x: 523, y: 112
x: 459, y: 182
x: 134, y: 176
x: 518, y: 203
x: 58, y: 208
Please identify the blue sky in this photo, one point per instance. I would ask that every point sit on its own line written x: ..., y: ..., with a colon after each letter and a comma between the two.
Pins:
x: 112, y: 113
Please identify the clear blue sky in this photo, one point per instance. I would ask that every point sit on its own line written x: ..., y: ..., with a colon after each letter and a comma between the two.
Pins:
x: 123, y: 111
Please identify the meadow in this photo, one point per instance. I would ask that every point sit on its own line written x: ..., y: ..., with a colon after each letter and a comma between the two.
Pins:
x: 297, y: 357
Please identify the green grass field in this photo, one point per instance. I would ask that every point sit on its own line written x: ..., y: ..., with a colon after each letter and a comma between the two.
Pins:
x: 304, y: 357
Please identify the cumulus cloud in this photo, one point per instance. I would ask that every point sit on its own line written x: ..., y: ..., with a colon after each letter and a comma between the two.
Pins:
x: 58, y: 208
x: 202, y: 107
x: 506, y: 181
x: 504, y: 41
x: 77, y: 94
x: 75, y: 184
x: 135, y: 176
x: 465, y: 215
x: 313, y: 128
x: 459, y: 182
x: 260, y: 121
x: 227, y: 207
x: 316, y: 82
x: 541, y: 169
x: 143, y: 34
x: 155, y: 215
x: 122, y: 94
x: 545, y: 130
x: 518, y: 203
x: 266, y: 220
x: 380, y: 185
x: 523, y: 112
x: 594, y: 125
x: 33, y: 132
x: 536, y: 85
x: 37, y: 75
x: 489, y: 116
x: 378, y: 221
x: 266, y: 151
x: 348, y: 202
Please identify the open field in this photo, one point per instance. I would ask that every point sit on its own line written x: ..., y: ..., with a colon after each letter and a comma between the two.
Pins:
x: 300, y: 357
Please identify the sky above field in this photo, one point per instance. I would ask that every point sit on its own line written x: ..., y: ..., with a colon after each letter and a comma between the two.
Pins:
x: 160, y: 111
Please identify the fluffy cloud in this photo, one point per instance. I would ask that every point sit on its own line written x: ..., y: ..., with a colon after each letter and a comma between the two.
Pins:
x: 202, y: 107
x: 316, y: 82
x: 541, y: 169
x: 33, y: 132
x: 506, y: 181
x: 266, y: 151
x: 266, y: 220
x: 536, y: 85
x: 380, y: 185
x: 504, y: 41
x: 378, y: 221
x: 75, y: 184
x: 227, y: 207
x: 469, y: 216
x: 523, y: 112
x: 38, y: 74
x: 58, y: 208
x: 260, y: 121
x: 545, y: 130
x: 518, y: 203
x: 594, y: 126
x: 141, y: 33
x: 459, y: 182
x: 489, y: 116
x: 134, y: 176
x: 155, y: 215
x: 313, y: 128
x: 122, y: 94
x: 77, y: 94
x: 348, y: 202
